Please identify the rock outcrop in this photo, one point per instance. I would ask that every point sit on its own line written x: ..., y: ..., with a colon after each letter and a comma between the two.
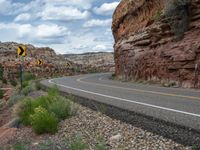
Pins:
x: 10, y: 48
x: 146, y: 46
x: 98, y: 62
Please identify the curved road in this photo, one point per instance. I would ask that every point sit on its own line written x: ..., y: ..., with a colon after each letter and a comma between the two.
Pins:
x: 180, y: 106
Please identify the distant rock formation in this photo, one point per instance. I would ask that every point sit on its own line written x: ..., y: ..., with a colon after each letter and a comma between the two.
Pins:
x: 153, y: 45
x: 98, y: 62
x: 53, y: 64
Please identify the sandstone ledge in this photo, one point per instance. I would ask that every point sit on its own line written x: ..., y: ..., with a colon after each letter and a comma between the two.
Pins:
x: 147, y: 49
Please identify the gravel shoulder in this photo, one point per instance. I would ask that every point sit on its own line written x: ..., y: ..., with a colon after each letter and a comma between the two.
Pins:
x: 95, y: 127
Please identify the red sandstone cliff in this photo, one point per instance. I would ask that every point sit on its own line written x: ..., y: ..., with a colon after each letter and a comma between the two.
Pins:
x: 147, y: 48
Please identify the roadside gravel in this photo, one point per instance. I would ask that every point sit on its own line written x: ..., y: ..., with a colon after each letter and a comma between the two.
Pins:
x: 95, y: 127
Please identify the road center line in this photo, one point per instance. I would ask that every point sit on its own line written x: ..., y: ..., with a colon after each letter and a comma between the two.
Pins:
x: 138, y: 90
x: 126, y: 100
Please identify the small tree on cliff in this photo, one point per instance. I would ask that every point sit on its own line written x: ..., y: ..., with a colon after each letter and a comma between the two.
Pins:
x: 1, y: 72
x: 178, y: 13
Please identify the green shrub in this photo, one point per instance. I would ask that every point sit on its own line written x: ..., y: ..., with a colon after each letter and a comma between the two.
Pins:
x: 28, y: 105
x: 195, y: 147
x: 20, y: 146
x: 1, y: 94
x: 1, y: 72
x: 43, y: 101
x: 13, y: 82
x: 78, y: 144
x: 53, y: 92
x: 29, y: 76
x: 28, y: 89
x: 101, y: 146
x: 47, y: 145
x: 43, y: 122
x: 61, y: 108
x: 47, y: 109
x: 4, y: 81
x: 168, y: 83
x: 25, y: 84
x: 25, y: 91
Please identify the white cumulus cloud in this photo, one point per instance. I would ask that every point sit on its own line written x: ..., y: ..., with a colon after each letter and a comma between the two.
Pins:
x: 7, y: 7
x: 100, y: 47
x: 83, y: 4
x: 63, y: 13
x: 30, y: 33
x: 45, y: 31
x: 23, y: 17
x: 97, y: 22
x: 106, y: 8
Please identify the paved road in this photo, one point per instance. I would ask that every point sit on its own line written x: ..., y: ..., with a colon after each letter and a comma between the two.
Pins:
x: 180, y: 106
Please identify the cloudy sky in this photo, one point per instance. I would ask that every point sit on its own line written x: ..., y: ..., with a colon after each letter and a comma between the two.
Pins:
x: 68, y: 26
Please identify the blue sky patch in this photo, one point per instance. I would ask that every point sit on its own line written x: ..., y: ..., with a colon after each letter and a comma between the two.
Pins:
x: 68, y: 26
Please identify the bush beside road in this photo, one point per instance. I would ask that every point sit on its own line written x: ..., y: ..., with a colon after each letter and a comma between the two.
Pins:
x: 56, y: 122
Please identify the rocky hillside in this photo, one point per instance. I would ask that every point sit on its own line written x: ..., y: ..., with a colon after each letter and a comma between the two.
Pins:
x: 53, y: 65
x: 102, y: 61
x: 9, y: 48
x: 158, y: 40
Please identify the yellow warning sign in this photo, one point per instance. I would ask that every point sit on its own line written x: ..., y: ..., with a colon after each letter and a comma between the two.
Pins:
x: 40, y: 62
x: 21, y: 51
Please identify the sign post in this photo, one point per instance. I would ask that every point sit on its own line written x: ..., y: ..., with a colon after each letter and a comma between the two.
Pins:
x: 21, y: 51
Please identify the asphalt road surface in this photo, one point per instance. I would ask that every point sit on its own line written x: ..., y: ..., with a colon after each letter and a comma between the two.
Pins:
x: 180, y: 106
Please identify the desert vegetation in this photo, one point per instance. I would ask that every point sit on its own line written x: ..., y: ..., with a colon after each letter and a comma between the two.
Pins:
x: 44, y: 113
x: 1, y: 72
x: 1, y: 94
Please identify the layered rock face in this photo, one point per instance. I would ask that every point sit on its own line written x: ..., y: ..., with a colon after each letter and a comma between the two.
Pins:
x: 146, y: 48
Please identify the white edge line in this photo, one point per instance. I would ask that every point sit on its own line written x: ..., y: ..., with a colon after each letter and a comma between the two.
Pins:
x: 127, y: 100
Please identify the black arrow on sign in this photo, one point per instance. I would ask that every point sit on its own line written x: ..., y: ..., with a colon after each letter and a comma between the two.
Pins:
x: 22, y: 50
x: 40, y: 62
